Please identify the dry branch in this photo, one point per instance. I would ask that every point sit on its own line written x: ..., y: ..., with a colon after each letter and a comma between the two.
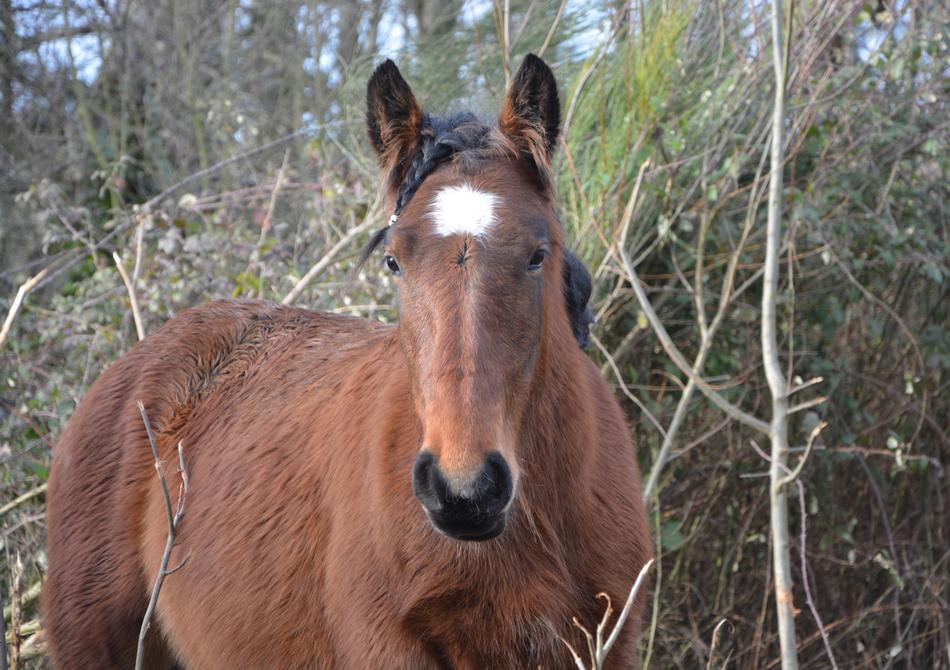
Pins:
x: 623, y: 386
x: 174, y: 519
x: 130, y: 287
x: 16, y: 610
x: 26, y: 598
x: 597, y: 646
x: 714, y: 645
x: 21, y: 293
x: 19, y: 500
x: 778, y: 386
x: 330, y: 255
x: 4, y: 654
x: 679, y: 360
x: 268, y: 220
x: 146, y: 208
x: 552, y: 30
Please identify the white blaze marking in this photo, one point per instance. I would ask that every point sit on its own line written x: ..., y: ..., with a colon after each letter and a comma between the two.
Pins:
x: 463, y: 210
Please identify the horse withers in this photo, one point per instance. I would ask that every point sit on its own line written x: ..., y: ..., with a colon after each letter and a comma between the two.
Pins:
x: 448, y: 492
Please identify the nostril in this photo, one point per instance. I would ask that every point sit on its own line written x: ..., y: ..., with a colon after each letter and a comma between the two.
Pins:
x: 427, y: 482
x: 497, y: 476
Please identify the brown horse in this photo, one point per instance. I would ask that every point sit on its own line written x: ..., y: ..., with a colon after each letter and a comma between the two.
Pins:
x: 444, y: 493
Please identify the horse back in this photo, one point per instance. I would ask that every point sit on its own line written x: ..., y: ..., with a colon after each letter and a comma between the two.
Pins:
x: 208, y: 377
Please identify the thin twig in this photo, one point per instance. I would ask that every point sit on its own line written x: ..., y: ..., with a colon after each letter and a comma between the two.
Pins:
x: 677, y: 357
x: 604, y: 48
x: 174, y: 519
x: 26, y: 598
x: 803, y: 514
x: 890, y: 538
x: 324, y: 262
x: 625, y: 612
x: 577, y: 659
x: 805, y: 385
x: 130, y: 288
x: 812, y: 436
x: 4, y: 654
x: 808, y: 404
x: 501, y: 10
x: 597, y: 646
x: 552, y: 30
x: 16, y: 610
x: 623, y: 386
x: 266, y: 222
x: 237, y: 158
x: 25, y: 288
x: 19, y: 500
x: 714, y: 643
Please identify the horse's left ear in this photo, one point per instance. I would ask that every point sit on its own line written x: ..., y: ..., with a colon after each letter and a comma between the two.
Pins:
x: 531, y: 115
x: 577, y: 289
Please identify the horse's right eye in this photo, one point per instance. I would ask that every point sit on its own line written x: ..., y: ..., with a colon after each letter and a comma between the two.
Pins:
x: 391, y: 264
x: 536, y: 260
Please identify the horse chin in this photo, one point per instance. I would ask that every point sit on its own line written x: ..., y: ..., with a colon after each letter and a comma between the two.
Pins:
x: 468, y: 530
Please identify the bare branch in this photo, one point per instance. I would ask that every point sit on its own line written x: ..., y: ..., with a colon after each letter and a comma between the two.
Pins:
x: 552, y: 30
x: 237, y: 158
x: 173, y: 522
x: 26, y: 598
x: 267, y: 221
x: 778, y: 386
x: 674, y: 353
x: 130, y: 287
x: 793, y: 475
x: 577, y: 659
x: 16, y: 609
x: 4, y: 654
x: 25, y: 288
x: 19, y: 500
x: 803, y: 514
x: 808, y: 404
x: 625, y: 612
x: 330, y: 255
x: 582, y: 82
x: 805, y: 385
x: 714, y: 644
x: 623, y: 386
x: 598, y: 647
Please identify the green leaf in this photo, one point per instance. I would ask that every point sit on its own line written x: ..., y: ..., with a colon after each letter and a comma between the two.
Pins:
x: 671, y: 537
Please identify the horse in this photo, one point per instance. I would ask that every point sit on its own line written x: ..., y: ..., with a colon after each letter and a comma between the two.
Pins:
x: 449, y: 491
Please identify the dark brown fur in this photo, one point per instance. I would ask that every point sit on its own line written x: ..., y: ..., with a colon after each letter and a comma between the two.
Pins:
x: 305, y: 544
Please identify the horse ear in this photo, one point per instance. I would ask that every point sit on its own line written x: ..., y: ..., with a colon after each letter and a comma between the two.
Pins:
x: 577, y: 289
x: 393, y: 117
x: 531, y: 115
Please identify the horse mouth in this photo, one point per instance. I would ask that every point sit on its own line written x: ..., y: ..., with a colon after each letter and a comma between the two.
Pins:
x: 469, y: 529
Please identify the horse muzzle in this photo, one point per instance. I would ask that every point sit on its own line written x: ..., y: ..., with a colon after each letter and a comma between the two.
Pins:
x: 475, y: 510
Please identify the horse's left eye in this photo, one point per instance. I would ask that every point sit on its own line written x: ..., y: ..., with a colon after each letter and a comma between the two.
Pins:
x: 536, y: 260
x: 391, y: 264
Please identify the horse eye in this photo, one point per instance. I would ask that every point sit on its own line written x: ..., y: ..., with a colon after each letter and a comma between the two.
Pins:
x: 536, y: 260
x: 391, y: 264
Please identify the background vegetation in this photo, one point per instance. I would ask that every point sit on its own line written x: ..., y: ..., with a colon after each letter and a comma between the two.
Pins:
x: 217, y: 149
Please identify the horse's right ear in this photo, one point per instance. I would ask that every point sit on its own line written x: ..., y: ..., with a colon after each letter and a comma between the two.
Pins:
x: 393, y: 117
